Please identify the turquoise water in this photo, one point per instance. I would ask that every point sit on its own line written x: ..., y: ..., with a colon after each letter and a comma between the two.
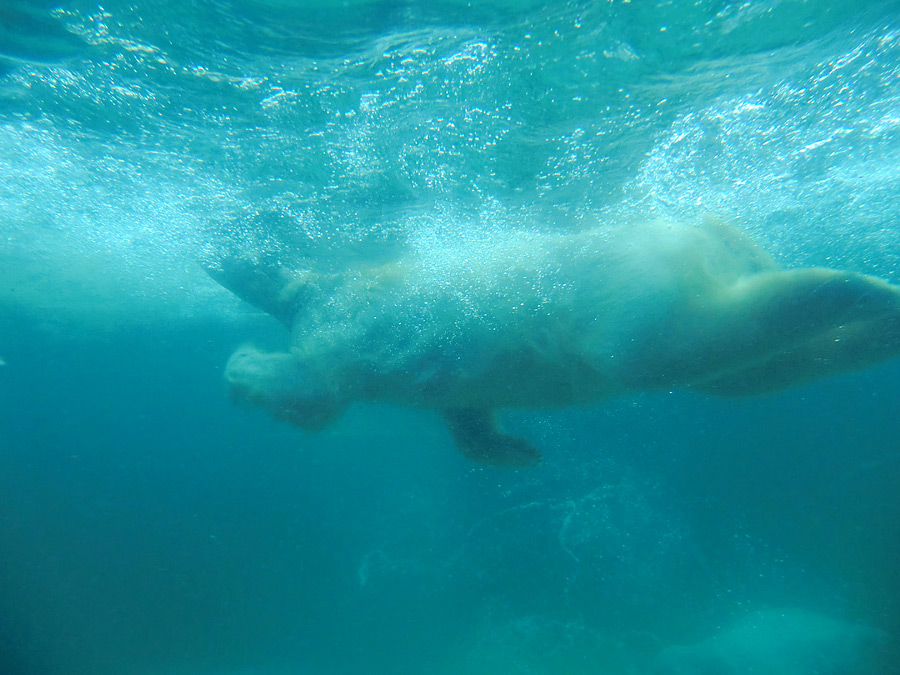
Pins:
x: 150, y: 526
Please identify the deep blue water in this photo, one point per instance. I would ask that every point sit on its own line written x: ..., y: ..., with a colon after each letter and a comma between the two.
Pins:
x: 150, y: 526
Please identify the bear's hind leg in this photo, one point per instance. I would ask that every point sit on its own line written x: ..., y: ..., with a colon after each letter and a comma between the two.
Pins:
x: 282, y: 385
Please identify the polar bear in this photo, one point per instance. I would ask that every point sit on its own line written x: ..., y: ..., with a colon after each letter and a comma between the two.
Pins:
x: 549, y: 320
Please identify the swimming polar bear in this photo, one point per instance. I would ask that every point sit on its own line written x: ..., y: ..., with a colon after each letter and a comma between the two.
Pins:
x: 549, y: 320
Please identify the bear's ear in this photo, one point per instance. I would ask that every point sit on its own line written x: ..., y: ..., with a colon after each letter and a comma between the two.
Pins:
x: 478, y: 439
x: 260, y: 284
